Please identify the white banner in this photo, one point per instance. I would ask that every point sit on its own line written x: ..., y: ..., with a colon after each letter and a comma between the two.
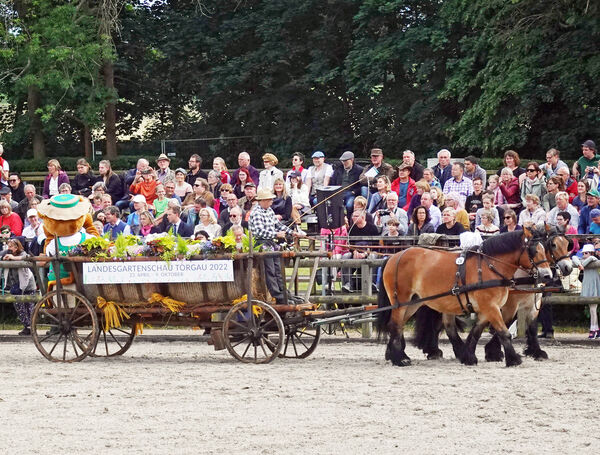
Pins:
x: 157, y: 272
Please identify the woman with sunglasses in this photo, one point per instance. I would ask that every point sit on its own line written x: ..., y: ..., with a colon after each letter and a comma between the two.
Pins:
x: 510, y: 222
x: 533, y: 183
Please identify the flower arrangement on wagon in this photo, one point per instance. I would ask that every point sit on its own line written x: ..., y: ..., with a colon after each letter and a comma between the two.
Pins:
x: 164, y: 245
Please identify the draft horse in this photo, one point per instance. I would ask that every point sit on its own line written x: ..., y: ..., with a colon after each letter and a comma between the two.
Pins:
x: 418, y: 276
x: 428, y: 323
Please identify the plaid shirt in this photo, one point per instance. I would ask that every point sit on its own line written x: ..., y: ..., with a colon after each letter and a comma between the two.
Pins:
x: 464, y: 188
x: 264, y: 225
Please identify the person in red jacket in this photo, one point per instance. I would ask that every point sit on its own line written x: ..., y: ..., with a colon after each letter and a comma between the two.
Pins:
x: 145, y: 184
x: 509, y: 186
x: 10, y: 219
x: 404, y: 186
x: 570, y: 184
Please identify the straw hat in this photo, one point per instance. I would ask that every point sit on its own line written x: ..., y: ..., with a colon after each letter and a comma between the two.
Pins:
x: 64, y: 207
x: 263, y: 194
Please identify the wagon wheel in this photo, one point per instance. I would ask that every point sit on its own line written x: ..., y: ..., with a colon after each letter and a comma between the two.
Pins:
x: 300, y: 341
x: 64, y: 326
x: 253, y: 337
x: 114, y: 342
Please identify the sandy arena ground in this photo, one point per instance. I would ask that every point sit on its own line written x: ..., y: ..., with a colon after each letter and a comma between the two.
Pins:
x: 181, y: 397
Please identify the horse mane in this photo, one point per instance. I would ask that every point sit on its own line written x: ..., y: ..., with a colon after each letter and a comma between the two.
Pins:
x: 502, y: 243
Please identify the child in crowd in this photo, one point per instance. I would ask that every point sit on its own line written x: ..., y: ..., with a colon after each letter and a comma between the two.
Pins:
x: 161, y: 201
x: 595, y: 224
x: 590, y: 286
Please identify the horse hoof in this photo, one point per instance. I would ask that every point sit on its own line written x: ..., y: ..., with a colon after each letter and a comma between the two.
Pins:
x: 494, y: 356
x: 514, y: 361
x: 469, y: 360
x: 541, y: 355
x: 435, y: 355
x: 401, y: 362
x: 388, y: 353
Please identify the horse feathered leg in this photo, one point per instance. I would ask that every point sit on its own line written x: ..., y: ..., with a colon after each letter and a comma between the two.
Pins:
x: 395, y: 348
x: 469, y: 357
x: 533, y: 348
x: 510, y: 355
x: 428, y: 325
x: 450, y: 322
x: 493, y: 348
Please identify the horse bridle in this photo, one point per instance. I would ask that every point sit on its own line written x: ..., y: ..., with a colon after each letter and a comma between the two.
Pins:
x: 549, y: 239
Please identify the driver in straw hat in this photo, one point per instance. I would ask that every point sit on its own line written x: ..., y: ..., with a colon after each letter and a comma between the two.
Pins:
x: 266, y: 228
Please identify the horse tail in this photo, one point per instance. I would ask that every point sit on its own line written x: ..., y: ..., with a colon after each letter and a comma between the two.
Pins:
x: 428, y: 324
x: 383, y: 317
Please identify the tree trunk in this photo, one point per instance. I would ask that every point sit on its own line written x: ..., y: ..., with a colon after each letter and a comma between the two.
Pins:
x: 37, y: 134
x: 87, y: 143
x: 110, y: 112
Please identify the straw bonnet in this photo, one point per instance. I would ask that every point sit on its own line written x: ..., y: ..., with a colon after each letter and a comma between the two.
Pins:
x: 263, y: 194
x: 64, y: 207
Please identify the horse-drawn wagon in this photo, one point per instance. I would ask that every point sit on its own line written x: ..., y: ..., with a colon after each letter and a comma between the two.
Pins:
x: 109, y: 301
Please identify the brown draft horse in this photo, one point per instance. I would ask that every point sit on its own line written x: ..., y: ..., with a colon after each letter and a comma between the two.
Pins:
x: 414, y: 275
x: 428, y: 323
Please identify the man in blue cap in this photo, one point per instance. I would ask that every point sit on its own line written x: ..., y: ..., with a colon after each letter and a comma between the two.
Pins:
x: 585, y: 219
x: 318, y: 175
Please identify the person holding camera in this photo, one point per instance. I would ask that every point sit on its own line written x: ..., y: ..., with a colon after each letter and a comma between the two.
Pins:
x: 145, y: 183
x: 391, y: 210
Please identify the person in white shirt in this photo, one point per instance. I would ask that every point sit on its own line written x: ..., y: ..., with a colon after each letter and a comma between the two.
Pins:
x: 434, y: 212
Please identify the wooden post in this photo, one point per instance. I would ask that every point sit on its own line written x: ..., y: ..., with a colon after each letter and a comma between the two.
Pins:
x: 365, y: 272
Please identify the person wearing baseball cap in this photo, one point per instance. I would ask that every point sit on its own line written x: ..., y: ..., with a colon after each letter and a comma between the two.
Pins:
x: 372, y: 171
x: 266, y: 229
x: 348, y: 177
x: 163, y: 172
x: 585, y: 215
x: 587, y: 164
x: 318, y: 176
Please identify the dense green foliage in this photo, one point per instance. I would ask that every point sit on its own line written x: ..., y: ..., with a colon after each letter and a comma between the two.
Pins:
x: 477, y: 76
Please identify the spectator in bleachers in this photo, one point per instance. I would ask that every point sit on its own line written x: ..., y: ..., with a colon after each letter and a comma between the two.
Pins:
x: 438, y: 197
x: 459, y: 183
x: 4, y: 168
x: 590, y: 286
x: 208, y: 223
x: 383, y: 187
x: 553, y: 163
x: 595, y: 224
x: 473, y: 170
x: 512, y: 161
x: 420, y: 222
x: 570, y: 184
x: 360, y: 249
x: 360, y: 204
x: 146, y: 224
x: 65, y: 188
x: 56, y: 176
x: 474, y: 202
x: 494, y: 187
x: 415, y: 201
x: 200, y: 190
x: 34, y: 228
x: 298, y: 191
x: 581, y: 199
x: 106, y: 200
x: 377, y: 168
x: 112, y: 182
x: 170, y: 191
x: 244, y: 163
x: 6, y: 195
x: 145, y: 184
x: 532, y: 184
x: 19, y: 281
x: 96, y: 201
x: 563, y: 222
x: 416, y: 173
x: 391, y: 211
x: 431, y: 179
x: 242, y: 178
x: 553, y: 186
x: 532, y: 213
x: 162, y: 223
x: 17, y: 187
x: 509, y: 185
x: 10, y: 219
x: 443, y: 170
x: 297, y: 166
x: 214, y: 186
x: 404, y: 186
x: 236, y: 218
x: 249, y: 199
x: 221, y: 168
x: 163, y: 172
x: 196, y: 172
x: 584, y: 167
x: 139, y: 206
x: 460, y: 214
x: 181, y: 187
x: 232, y: 201
x: 449, y: 224
x: 114, y: 225
x: 319, y: 175
x: 488, y: 204
x: 282, y: 203
x: 487, y: 226
x: 562, y: 205
x: 127, y: 180
x: 84, y: 179
x: 161, y: 201
x: 347, y: 176
x: 510, y: 222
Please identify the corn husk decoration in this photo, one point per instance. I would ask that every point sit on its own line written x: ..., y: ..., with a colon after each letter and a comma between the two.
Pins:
x: 113, y: 313
x: 174, y: 306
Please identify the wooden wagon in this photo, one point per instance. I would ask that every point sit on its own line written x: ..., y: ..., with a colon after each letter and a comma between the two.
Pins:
x: 102, y: 317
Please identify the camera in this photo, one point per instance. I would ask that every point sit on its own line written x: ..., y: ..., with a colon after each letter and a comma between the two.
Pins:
x: 383, y: 212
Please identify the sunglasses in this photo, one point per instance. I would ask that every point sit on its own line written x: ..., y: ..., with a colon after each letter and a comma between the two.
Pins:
x: 531, y: 170
x: 197, y: 184
x: 508, y: 217
x: 12, y: 180
x: 225, y: 191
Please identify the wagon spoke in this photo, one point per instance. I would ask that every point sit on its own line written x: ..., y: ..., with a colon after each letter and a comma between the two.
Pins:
x: 55, y: 344
x: 65, y: 349
x: 294, y: 346
x: 268, y: 341
x: 114, y: 338
x: 45, y: 313
x: 74, y: 348
x: 79, y: 319
x: 237, y: 323
x: 262, y: 345
x: 255, y: 352
x: 298, y: 338
x: 247, y: 347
